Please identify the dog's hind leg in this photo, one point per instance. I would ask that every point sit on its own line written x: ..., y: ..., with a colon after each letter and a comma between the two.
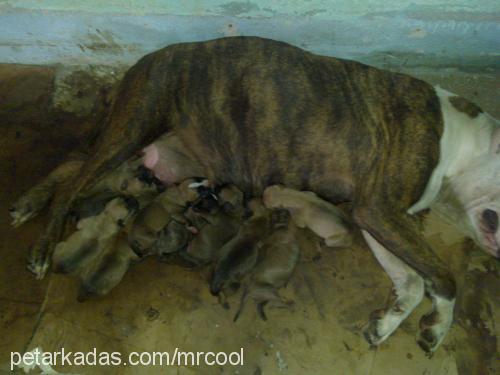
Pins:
x: 399, y: 234
x: 407, y: 293
x: 137, y: 117
x: 39, y: 196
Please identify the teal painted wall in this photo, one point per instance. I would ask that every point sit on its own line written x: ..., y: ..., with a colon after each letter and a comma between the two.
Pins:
x: 463, y: 33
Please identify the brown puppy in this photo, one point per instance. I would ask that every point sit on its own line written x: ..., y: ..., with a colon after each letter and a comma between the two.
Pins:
x: 239, y: 256
x: 125, y: 180
x: 158, y: 214
x: 214, y: 229
x: 107, y: 269
x: 277, y: 260
x: 172, y: 238
x: 308, y: 210
x: 92, y: 235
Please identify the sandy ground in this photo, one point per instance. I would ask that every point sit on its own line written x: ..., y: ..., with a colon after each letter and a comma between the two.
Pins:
x: 161, y: 307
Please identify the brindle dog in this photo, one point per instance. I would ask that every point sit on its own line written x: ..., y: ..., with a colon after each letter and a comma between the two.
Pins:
x: 256, y: 112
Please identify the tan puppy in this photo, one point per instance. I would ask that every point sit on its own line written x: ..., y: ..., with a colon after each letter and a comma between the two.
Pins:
x: 239, y: 255
x: 157, y: 215
x: 308, y: 210
x: 277, y: 259
x: 125, y: 180
x: 92, y: 235
x: 107, y: 269
x: 214, y: 229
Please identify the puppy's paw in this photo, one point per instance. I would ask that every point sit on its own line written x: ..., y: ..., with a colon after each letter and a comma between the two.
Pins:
x: 21, y: 212
x: 38, y: 261
x: 372, y: 331
x: 30, y: 204
x: 344, y: 239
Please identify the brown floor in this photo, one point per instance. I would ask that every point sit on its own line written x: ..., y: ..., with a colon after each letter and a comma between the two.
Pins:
x: 159, y: 307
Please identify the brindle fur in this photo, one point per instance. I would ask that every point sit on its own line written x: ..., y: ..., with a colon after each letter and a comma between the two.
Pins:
x: 270, y: 113
x: 465, y: 106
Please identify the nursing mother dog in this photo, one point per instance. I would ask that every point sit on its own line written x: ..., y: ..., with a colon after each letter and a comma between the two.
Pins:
x: 256, y: 112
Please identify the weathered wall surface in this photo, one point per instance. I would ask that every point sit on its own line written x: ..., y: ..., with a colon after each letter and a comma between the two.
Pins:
x: 460, y: 33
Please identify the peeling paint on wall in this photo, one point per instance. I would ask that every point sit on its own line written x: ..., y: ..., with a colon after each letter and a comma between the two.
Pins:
x: 115, y: 32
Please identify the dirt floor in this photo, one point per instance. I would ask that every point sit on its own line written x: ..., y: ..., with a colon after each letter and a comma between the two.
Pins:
x: 160, y: 307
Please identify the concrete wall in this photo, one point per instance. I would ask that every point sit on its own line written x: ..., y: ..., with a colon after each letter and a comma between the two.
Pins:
x: 463, y: 33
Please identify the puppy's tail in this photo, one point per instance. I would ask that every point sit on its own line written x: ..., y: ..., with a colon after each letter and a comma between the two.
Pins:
x: 242, y: 304
x: 216, y: 284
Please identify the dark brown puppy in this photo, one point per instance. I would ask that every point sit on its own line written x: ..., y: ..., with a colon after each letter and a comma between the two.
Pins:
x: 214, y: 229
x: 239, y: 256
x: 277, y: 259
x: 158, y: 214
x: 172, y: 238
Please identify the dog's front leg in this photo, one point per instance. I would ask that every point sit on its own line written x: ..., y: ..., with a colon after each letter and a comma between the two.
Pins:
x: 401, y: 249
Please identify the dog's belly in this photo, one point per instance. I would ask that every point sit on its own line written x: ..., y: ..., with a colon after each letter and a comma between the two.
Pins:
x: 171, y: 162
x: 255, y: 112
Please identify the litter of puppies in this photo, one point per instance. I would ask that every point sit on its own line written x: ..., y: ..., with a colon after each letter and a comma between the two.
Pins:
x: 250, y: 244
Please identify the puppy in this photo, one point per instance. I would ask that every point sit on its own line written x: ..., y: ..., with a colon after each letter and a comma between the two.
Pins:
x: 107, y: 269
x: 92, y: 235
x: 173, y: 238
x: 156, y: 216
x: 278, y: 257
x: 308, y: 210
x: 216, y: 227
x: 128, y: 179
x: 239, y: 255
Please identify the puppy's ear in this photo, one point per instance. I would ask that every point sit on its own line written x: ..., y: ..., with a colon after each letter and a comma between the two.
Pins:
x: 145, y: 175
x: 131, y: 203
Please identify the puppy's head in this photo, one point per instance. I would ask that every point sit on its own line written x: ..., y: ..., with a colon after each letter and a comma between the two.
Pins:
x: 231, y: 198
x: 205, y: 197
x: 272, y: 196
x: 119, y: 208
x: 256, y: 206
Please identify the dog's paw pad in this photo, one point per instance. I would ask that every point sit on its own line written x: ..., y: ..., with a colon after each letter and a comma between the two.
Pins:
x: 38, y: 260
x: 432, y: 332
x: 428, y: 341
x: 371, y: 334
